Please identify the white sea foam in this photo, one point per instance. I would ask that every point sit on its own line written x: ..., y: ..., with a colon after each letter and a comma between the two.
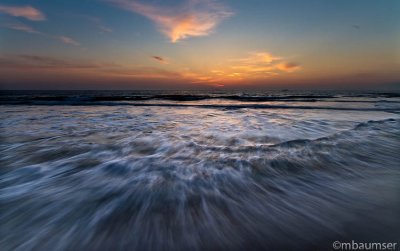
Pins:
x: 180, y: 178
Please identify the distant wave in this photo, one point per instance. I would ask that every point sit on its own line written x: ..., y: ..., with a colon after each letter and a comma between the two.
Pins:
x: 69, y: 97
x: 206, y: 106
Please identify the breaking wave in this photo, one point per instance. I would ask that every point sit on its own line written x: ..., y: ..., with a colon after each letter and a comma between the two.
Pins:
x: 188, y: 178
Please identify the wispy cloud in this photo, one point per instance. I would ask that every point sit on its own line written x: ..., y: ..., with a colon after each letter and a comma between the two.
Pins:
x: 27, y: 12
x: 145, y: 72
x: 288, y: 66
x: 41, y: 63
x: 105, y: 28
x: 192, y: 19
x: 100, y: 25
x: 263, y: 63
x: 29, y: 61
x: 28, y: 29
x: 21, y: 27
x: 258, y: 58
x: 32, y: 14
x: 254, y: 66
x: 68, y: 40
x: 160, y: 59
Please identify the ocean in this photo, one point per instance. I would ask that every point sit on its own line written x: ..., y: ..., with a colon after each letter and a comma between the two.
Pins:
x: 197, y: 170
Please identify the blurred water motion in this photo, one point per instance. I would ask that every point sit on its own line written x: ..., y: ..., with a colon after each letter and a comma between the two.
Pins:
x: 178, y: 173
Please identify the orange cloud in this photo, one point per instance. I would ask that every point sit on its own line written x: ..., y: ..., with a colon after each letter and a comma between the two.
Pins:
x: 193, y: 19
x: 27, y: 12
x: 68, y: 40
x: 255, y: 66
x: 261, y: 64
x: 258, y: 58
x: 288, y: 67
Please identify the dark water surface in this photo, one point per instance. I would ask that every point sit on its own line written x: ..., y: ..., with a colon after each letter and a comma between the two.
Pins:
x: 198, y: 171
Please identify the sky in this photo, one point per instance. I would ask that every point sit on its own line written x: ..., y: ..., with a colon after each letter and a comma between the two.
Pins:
x: 185, y: 44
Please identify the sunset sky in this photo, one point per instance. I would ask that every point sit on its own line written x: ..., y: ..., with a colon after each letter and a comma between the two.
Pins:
x: 173, y: 44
